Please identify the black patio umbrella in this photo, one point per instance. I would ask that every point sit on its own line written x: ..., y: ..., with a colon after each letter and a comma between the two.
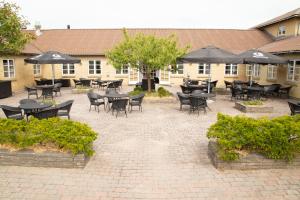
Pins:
x: 52, y: 57
x: 209, y: 55
x: 255, y: 56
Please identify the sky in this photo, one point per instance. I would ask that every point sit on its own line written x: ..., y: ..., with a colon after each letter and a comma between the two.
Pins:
x: 227, y: 14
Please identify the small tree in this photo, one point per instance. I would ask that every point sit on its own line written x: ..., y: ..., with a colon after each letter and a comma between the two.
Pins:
x: 12, y: 37
x: 145, y: 53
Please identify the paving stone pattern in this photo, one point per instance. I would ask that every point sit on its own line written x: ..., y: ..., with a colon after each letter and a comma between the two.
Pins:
x: 158, y: 154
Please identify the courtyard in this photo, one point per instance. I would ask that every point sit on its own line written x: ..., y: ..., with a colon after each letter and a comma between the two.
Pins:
x: 160, y: 153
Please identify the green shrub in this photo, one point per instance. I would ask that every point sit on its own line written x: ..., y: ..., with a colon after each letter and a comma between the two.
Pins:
x: 277, y: 138
x: 253, y: 103
x: 64, y: 134
x: 162, y: 92
x: 136, y: 91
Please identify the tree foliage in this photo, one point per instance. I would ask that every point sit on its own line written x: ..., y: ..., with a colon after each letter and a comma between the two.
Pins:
x: 145, y: 52
x: 12, y: 36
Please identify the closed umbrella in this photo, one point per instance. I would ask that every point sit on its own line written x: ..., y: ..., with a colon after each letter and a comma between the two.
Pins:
x: 210, y: 55
x: 52, y: 57
x: 255, y: 56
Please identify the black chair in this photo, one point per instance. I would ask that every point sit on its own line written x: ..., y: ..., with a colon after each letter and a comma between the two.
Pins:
x: 228, y: 84
x: 56, y: 88
x: 31, y: 91
x: 86, y: 82
x: 294, y: 107
x: 197, y: 103
x: 46, y: 113
x: 65, y: 108
x: 285, y: 91
x: 193, y: 82
x: 237, y: 92
x: 119, y: 105
x: 94, y: 100
x: 77, y: 82
x: 47, y: 92
x: 12, y: 112
x: 95, y: 83
x: 136, y: 101
x: 183, y: 99
x: 271, y: 90
x: 185, y: 89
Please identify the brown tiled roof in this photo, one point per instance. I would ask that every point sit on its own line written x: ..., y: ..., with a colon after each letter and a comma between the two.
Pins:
x: 288, y: 15
x: 98, y: 41
x: 291, y: 44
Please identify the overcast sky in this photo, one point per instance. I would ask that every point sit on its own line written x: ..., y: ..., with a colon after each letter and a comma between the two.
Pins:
x: 238, y: 14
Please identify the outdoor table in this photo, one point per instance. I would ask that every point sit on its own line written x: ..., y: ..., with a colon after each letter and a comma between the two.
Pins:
x: 254, y: 92
x: 196, y: 87
x: 33, y: 107
x: 44, y: 87
x: 114, y: 96
x: 203, y: 95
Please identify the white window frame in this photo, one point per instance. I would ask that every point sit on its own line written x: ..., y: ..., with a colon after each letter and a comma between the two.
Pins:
x: 94, y: 67
x: 123, y: 70
x: 281, y: 30
x: 37, y: 68
x: 68, y: 70
x: 272, y: 72
x: 292, y: 74
x: 206, y: 68
x: 11, y: 69
x: 231, y: 70
x: 253, y: 70
x: 177, y: 71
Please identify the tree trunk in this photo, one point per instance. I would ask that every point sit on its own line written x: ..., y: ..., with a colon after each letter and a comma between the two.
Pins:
x: 149, y: 81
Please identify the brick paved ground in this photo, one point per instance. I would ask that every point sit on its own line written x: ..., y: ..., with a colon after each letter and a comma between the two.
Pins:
x: 158, y: 154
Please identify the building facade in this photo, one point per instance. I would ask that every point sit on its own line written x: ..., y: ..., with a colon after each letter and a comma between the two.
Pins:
x: 280, y: 36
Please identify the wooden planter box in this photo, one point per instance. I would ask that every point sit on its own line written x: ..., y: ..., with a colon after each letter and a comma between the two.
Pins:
x: 253, y: 108
x: 82, y: 91
x: 29, y: 158
x: 250, y: 161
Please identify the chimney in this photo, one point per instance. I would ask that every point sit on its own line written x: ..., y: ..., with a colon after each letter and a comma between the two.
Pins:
x: 68, y: 26
x: 38, y: 28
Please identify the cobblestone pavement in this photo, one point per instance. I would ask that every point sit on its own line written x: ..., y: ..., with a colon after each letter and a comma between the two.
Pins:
x: 160, y: 153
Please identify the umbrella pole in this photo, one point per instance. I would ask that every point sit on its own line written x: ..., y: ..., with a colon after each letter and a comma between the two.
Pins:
x: 208, y: 84
x: 251, y: 75
x: 53, y: 74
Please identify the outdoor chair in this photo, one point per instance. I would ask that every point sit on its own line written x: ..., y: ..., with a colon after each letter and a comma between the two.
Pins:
x: 86, y: 82
x: 119, y: 105
x: 136, y: 101
x: 56, y: 88
x: 109, y: 99
x: 12, y: 112
x: 120, y: 83
x: 77, y: 82
x: 197, y: 103
x: 64, y: 109
x: 95, y: 83
x: 94, y: 100
x: 294, y: 107
x: 185, y: 89
x: 47, y: 92
x: 193, y: 82
x: 183, y: 99
x: 31, y: 92
x: 271, y: 90
x: 46, y: 113
x: 228, y: 84
x: 237, y: 92
x: 285, y: 91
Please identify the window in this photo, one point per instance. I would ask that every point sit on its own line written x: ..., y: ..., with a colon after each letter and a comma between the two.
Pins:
x: 94, y: 67
x: 272, y: 72
x: 9, y: 68
x: 231, y: 69
x: 253, y: 70
x: 178, y: 69
x: 123, y: 70
x: 281, y: 30
x: 68, y: 69
x: 204, y: 69
x: 37, y: 69
x: 293, y: 70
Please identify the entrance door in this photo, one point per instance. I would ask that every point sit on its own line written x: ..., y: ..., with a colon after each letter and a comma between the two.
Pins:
x: 164, y: 76
x: 134, y: 76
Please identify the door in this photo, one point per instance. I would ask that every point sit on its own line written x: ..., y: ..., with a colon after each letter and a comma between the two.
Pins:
x: 164, y: 76
x: 133, y: 76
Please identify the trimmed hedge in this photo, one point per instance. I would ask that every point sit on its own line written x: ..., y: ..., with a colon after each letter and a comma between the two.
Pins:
x: 64, y: 134
x: 277, y: 138
x: 161, y: 92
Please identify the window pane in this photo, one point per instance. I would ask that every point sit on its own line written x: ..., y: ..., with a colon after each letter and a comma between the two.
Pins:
x: 91, y: 71
x: 125, y: 70
x: 65, y: 71
x: 6, y: 74
x: 207, y: 70
x: 72, y: 71
x: 201, y: 69
x: 98, y: 71
x: 98, y: 62
x: 91, y: 62
x: 11, y: 62
x: 5, y: 62
x: 71, y: 66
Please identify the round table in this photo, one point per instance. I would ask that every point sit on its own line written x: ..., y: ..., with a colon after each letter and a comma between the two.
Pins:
x: 33, y: 107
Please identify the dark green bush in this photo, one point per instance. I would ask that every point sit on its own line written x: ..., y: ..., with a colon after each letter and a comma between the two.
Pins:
x: 64, y: 134
x: 162, y: 92
x: 136, y: 91
x: 277, y: 138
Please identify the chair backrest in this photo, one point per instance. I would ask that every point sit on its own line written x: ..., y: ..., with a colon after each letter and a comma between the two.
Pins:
x: 85, y: 82
x: 294, y: 107
x: 111, y: 91
x: 182, y: 96
x: 92, y: 97
x: 139, y: 98
x: 45, y: 114
x: 120, y: 104
x: 197, y: 91
x: 25, y: 101
x: 57, y: 85
x: 65, y: 105
x: 185, y: 89
x: 10, y: 110
x: 227, y: 83
x: 193, y: 82
x: 197, y: 101
x: 47, y: 91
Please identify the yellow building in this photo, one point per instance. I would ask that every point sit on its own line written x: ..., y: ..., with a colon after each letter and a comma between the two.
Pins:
x: 279, y: 36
